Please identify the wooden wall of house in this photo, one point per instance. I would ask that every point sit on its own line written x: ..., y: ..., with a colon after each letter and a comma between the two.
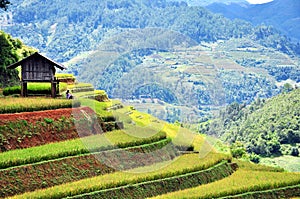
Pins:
x: 37, y: 69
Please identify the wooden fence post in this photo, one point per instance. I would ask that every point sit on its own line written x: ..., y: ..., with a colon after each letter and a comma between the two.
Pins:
x: 24, y: 91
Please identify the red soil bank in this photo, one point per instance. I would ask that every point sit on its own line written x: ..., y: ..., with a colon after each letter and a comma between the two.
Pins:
x: 49, y: 134
x: 37, y: 115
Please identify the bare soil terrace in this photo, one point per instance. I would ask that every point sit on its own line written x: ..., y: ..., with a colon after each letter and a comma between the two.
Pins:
x: 29, y: 129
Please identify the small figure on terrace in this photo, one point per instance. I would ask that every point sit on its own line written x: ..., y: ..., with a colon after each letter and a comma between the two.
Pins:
x: 69, y: 95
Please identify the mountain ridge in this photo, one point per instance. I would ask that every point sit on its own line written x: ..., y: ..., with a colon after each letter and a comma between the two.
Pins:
x: 282, y: 14
x: 64, y: 31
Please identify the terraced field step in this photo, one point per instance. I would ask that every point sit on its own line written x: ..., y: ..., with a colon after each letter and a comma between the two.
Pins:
x: 249, y: 181
x: 74, y: 147
x: 78, y: 89
x: 30, y: 129
x: 98, y: 95
x: 115, y: 107
x: 17, y: 105
x: 182, y: 165
x: 164, y: 185
x: 143, y: 148
x: 282, y: 192
x: 69, y: 169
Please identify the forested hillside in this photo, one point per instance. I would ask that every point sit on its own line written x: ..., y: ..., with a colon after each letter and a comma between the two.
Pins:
x: 265, y: 127
x: 199, y: 77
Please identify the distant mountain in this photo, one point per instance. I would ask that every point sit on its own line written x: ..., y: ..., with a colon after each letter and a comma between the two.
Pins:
x: 65, y: 29
x: 284, y: 15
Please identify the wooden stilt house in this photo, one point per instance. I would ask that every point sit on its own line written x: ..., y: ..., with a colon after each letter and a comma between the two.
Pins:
x: 37, y: 68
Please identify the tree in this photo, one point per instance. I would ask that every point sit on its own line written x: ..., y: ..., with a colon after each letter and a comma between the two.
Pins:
x: 294, y: 151
x: 237, y: 150
x: 11, y: 51
x: 7, y: 57
x: 254, y: 158
x: 4, y: 4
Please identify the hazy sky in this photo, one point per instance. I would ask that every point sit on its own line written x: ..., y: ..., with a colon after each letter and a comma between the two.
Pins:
x: 258, y: 1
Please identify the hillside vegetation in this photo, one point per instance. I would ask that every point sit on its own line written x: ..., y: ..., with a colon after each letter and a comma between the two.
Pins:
x: 208, y: 2
x: 12, y: 50
x: 266, y: 127
x: 247, y: 182
x: 191, y: 79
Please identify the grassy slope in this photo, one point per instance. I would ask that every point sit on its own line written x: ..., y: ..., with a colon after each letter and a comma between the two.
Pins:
x: 69, y: 169
x: 271, y: 175
x: 246, y: 179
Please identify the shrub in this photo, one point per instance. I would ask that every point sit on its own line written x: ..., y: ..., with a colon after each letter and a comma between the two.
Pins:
x: 237, y: 150
x: 48, y: 120
x: 294, y: 151
x: 11, y: 90
x: 254, y: 158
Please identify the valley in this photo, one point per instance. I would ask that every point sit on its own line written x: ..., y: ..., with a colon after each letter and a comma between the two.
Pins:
x: 196, y: 79
x: 170, y: 99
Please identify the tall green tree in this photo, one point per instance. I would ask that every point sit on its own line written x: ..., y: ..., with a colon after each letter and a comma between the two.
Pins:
x: 7, y: 77
x: 7, y: 57
x: 11, y: 51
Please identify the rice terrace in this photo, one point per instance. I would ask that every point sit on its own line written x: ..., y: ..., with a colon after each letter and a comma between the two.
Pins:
x: 149, y: 99
x: 44, y: 154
